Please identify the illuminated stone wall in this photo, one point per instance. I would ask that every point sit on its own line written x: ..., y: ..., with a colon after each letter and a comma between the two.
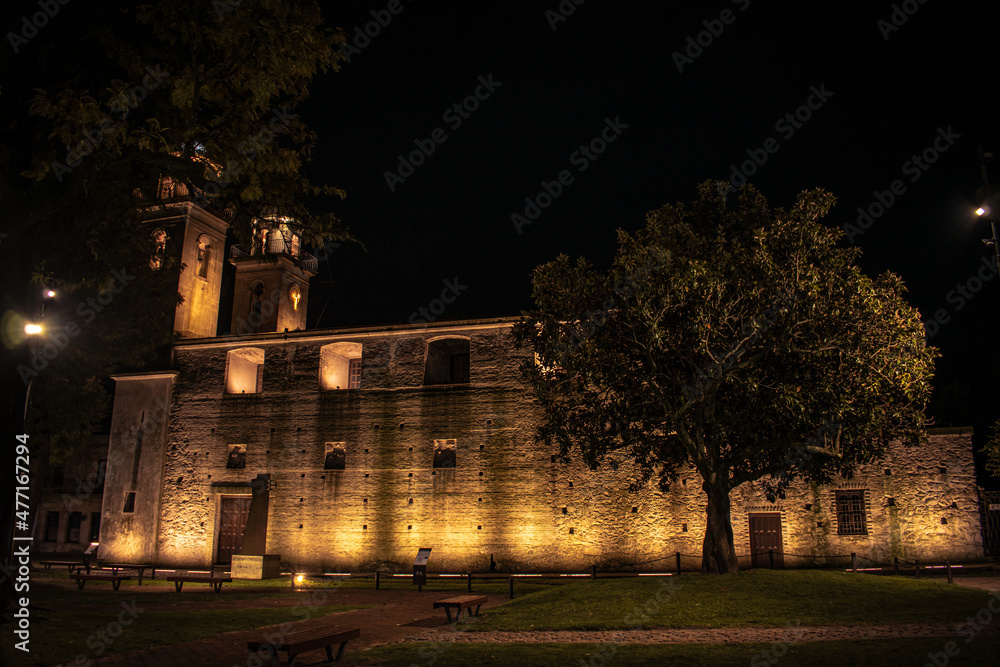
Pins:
x: 506, y: 497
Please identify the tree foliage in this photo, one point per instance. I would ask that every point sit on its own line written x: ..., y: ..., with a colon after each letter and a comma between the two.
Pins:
x: 732, y: 337
x: 97, y: 105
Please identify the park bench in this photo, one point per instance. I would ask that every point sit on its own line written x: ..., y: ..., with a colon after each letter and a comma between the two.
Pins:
x: 307, y: 640
x: 82, y: 578
x: 216, y: 582
x: 461, y: 601
x: 139, y: 567
x: 71, y: 564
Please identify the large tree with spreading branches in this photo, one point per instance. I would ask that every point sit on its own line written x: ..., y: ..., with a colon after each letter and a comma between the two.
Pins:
x: 733, y: 337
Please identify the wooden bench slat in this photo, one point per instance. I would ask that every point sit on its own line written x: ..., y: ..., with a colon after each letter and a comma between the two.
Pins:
x: 307, y: 640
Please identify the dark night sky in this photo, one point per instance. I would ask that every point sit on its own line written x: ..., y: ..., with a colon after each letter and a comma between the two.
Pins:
x: 452, y: 217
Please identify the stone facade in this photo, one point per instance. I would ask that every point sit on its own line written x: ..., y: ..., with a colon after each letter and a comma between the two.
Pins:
x: 507, y: 498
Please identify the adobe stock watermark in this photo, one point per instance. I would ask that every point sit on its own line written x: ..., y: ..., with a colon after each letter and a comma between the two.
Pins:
x: 961, y: 294
x: 452, y: 288
x: 581, y: 158
x: 971, y: 628
x: 363, y: 37
x: 58, y: 340
x: 31, y: 25
x: 786, y: 126
x: 898, y: 17
x: 455, y: 116
x: 915, y: 167
x: 125, y: 101
x: 562, y: 12
x: 99, y: 640
x: 697, y: 44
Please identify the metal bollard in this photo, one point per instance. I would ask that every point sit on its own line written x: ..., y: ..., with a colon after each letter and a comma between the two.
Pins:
x: 854, y: 562
x: 895, y: 565
x: 593, y: 572
x: 948, y: 567
x: 916, y: 565
x: 376, y: 581
x: 678, y: 562
x: 510, y: 583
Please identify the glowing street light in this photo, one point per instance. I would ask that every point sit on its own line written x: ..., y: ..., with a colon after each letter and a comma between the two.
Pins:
x: 32, y: 329
x: 981, y: 211
x: 50, y: 293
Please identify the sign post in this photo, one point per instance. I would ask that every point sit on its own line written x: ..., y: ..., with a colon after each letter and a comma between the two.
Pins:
x: 420, y: 568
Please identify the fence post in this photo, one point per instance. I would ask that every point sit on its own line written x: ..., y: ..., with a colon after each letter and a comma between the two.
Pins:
x: 468, y: 586
x: 895, y: 565
x: 678, y: 562
x: 916, y: 565
x: 593, y: 572
x: 948, y: 567
x: 510, y: 584
x: 854, y: 562
x: 770, y: 555
x: 376, y: 581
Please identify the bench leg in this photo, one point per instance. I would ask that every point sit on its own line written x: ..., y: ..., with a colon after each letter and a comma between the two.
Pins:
x: 80, y: 583
x: 273, y: 655
x: 116, y: 583
x: 477, y: 609
x: 217, y: 587
x: 140, y: 576
x: 340, y: 651
x: 177, y: 586
x: 447, y: 610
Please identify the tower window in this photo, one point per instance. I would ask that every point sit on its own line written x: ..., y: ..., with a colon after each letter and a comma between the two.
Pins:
x: 336, y: 456
x: 447, y: 361
x: 129, y: 502
x: 204, y: 255
x: 340, y: 366
x: 444, y: 453
x: 237, y: 457
x: 244, y: 370
x: 159, y: 239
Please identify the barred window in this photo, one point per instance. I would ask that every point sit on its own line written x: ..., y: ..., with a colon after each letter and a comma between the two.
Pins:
x: 851, y: 519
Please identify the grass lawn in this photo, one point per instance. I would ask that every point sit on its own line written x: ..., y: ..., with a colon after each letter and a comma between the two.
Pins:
x: 747, y: 598
x: 885, y: 652
x: 97, y: 621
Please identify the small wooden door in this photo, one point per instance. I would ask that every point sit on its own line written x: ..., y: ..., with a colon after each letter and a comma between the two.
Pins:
x: 232, y: 523
x: 765, y: 536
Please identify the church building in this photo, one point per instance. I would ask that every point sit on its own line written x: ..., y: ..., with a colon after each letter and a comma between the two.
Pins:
x: 349, y: 449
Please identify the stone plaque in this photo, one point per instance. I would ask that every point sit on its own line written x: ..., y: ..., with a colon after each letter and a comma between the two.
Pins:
x: 255, y: 567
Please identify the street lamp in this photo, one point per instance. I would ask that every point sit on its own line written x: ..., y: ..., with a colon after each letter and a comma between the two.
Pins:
x: 32, y: 329
x: 984, y: 210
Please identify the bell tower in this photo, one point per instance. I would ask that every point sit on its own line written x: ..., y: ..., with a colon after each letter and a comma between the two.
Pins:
x: 181, y: 226
x: 272, y: 279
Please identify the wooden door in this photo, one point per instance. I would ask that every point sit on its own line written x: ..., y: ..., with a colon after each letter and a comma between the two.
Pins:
x: 232, y: 523
x: 765, y: 536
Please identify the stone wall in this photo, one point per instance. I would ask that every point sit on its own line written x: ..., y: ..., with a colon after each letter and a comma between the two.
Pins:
x: 507, y: 498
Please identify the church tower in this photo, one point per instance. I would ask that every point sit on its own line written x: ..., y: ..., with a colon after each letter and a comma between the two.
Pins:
x: 272, y: 279
x: 181, y: 227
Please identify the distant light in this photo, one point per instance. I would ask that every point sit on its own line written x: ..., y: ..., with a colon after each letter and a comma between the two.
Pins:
x: 50, y: 293
x: 299, y: 579
x: 32, y: 329
x: 980, y: 211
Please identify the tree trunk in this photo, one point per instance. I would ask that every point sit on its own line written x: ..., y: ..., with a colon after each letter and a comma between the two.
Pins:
x: 718, y: 554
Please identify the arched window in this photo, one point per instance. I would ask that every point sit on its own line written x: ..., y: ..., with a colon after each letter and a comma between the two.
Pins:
x: 255, y: 318
x: 204, y: 255
x: 244, y: 370
x: 340, y: 366
x: 159, y: 238
x: 447, y: 361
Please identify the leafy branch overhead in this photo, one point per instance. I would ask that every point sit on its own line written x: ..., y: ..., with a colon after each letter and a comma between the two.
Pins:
x: 734, y: 337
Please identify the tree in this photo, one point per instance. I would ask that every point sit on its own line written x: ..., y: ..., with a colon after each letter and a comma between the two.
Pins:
x: 100, y: 101
x: 731, y: 337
